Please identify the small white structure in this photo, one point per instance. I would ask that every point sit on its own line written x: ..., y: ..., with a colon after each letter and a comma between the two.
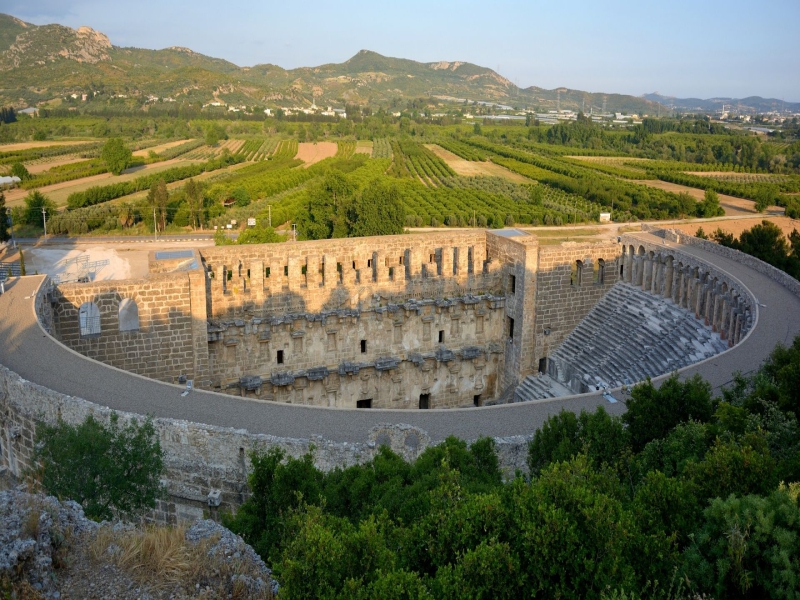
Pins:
x: 9, y: 182
x: 605, y: 217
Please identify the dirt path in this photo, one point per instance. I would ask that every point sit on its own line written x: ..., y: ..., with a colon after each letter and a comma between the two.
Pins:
x: 733, y: 206
x: 311, y: 153
x: 467, y: 168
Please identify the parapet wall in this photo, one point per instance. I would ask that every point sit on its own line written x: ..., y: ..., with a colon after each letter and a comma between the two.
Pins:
x: 201, y: 458
x: 327, y: 275
x: 154, y: 327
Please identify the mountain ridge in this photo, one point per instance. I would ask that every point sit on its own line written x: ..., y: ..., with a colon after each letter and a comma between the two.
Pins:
x: 42, y: 62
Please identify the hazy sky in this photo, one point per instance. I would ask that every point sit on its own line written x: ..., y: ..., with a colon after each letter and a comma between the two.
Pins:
x: 698, y: 48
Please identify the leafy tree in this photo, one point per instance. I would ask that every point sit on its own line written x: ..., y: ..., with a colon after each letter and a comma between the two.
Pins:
x: 653, y: 412
x: 565, y: 435
x: 157, y: 199
x: 748, y: 547
x: 194, y: 199
x: 241, y: 197
x: 19, y: 170
x: 766, y: 196
x: 116, y: 155
x: 34, y: 203
x: 259, y: 235
x: 111, y: 470
x: 5, y: 235
x: 215, y: 133
x: 700, y: 234
x: 710, y: 207
x: 378, y: 210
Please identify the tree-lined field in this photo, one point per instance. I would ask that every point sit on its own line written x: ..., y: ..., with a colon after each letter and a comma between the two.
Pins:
x: 439, y: 175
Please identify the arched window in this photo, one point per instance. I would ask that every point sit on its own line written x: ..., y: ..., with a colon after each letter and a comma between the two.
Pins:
x: 600, y: 274
x: 577, y: 273
x: 89, y: 319
x: 128, y: 315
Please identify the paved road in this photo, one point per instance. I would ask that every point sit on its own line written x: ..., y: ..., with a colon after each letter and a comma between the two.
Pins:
x: 25, y: 349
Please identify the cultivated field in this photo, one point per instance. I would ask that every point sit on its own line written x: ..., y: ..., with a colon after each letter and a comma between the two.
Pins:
x: 160, y: 148
x: 45, y: 144
x: 733, y: 206
x: 364, y: 147
x: 311, y: 153
x: 58, y: 192
x: 468, y: 168
x: 739, y: 177
x: 44, y: 164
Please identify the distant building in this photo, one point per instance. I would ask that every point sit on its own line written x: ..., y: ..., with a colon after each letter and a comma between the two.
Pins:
x: 30, y: 111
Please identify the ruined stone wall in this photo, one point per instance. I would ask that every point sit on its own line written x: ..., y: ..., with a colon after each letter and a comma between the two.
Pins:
x: 714, y: 296
x: 449, y: 350
x: 566, y: 293
x: 518, y: 257
x: 326, y: 275
x: 200, y: 459
x: 162, y: 343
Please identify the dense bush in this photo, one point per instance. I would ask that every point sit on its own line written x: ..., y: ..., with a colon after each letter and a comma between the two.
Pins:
x: 681, y: 498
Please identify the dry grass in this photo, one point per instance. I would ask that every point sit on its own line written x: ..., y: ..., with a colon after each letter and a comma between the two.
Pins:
x: 45, y: 144
x: 467, y: 168
x: 161, y: 558
x: 311, y: 153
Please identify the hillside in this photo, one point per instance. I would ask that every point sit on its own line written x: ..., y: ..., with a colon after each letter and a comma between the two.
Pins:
x: 751, y: 104
x: 39, y: 63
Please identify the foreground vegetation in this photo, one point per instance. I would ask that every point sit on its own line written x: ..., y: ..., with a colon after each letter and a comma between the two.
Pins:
x: 685, y: 493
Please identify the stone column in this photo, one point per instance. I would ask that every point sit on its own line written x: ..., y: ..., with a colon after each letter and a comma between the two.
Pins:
x: 274, y: 282
x: 296, y: 279
x: 462, y: 263
x: 381, y: 270
x: 447, y: 262
x: 478, y: 258
x: 312, y: 272
x: 330, y: 276
x: 257, y: 279
x: 668, y: 273
x: 647, y: 274
x: 626, y: 265
x: 414, y: 264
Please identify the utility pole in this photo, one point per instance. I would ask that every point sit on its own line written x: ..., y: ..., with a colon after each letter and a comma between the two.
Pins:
x: 294, y: 231
x: 44, y: 217
x: 155, y: 226
x: 269, y: 206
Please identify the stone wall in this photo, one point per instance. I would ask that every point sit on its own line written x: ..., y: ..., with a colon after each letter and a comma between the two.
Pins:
x: 567, y: 290
x: 163, y: 335
x: 759, y: 265
x: 200, y: 458
x: 327, y: 275
x: 447, y: 350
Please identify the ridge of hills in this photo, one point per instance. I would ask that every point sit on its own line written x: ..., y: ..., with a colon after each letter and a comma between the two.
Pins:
x: 39, y: 63
x: 42, y: 62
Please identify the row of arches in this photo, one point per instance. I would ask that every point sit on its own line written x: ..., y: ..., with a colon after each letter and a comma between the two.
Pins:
x: 691, y: 285
x: 89, y: 317
x: 577, y: 277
